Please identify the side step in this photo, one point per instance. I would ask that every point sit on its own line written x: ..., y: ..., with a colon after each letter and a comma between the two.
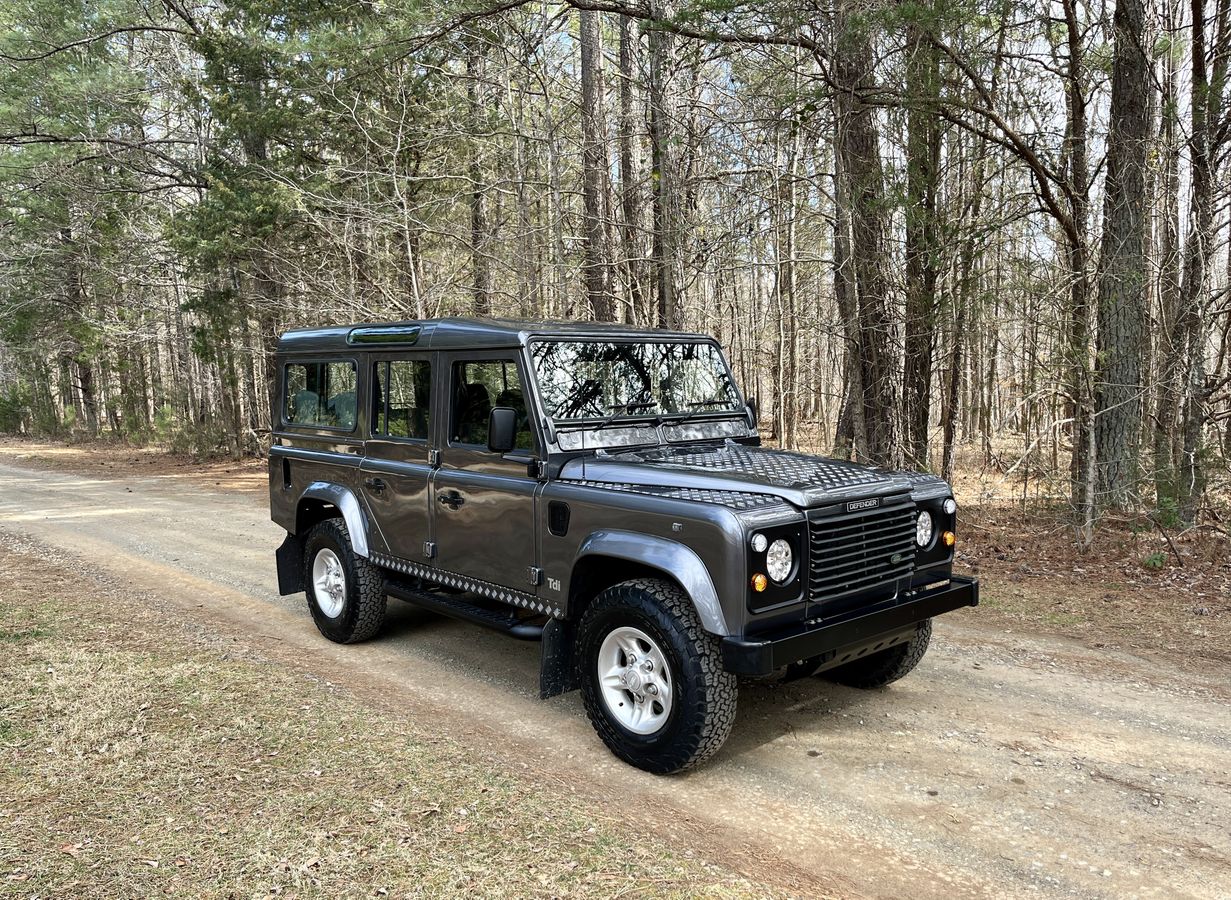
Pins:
x: 458, y: 608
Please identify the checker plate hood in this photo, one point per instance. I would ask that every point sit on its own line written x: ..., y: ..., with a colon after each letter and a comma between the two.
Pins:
x: 798, y: 478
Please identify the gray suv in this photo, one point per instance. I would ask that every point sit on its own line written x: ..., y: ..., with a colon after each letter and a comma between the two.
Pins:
x: 602, y: 490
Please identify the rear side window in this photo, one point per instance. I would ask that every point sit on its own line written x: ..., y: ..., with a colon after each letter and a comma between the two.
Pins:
x: 321, y: 394
x: 402, y: 398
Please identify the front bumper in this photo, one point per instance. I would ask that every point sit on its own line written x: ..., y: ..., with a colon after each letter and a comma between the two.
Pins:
x: 762, y: 654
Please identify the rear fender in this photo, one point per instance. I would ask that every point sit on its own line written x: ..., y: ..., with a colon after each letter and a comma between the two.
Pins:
x: 348, y: 504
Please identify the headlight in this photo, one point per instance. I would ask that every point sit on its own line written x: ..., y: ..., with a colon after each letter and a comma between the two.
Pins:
x: 923, y: 528
x: 778, y: 561
x: 759, y: 543
x: 950, y: 506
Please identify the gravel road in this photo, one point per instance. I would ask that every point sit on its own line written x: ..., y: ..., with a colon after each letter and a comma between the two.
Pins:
x: 1008, y: 764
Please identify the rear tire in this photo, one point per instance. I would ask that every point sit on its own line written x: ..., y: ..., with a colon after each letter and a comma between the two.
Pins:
x: 346, y: 593
x: 879, y: 669
x: 648, y: 620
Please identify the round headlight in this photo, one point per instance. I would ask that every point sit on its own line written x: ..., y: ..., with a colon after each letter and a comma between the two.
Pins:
x: 950, y: 506
x: 759, y: 543
x: 923, y: 528
x: 778, y: 561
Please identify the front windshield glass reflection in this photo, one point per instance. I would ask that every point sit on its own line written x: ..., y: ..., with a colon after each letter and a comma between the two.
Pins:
x: 582, y: 380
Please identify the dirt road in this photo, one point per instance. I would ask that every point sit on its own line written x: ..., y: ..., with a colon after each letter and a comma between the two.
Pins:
x: 1006, y: 765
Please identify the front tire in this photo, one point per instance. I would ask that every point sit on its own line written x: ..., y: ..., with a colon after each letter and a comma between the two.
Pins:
x: 879, y: 669
x: 346, y: 593
x: 651, y: 677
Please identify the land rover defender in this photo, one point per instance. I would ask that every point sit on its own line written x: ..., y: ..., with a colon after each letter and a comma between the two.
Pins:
x: 601, y: 489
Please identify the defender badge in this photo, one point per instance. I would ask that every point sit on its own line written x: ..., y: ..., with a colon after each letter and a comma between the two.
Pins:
x: 856, y: 505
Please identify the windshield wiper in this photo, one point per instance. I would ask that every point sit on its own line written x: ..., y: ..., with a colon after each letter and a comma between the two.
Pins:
x: 624, y: 408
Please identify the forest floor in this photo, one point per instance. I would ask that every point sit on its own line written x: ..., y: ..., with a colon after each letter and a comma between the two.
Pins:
x: 1071, y: 736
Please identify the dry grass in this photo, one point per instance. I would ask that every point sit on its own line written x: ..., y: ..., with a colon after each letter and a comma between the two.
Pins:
x: 137, y: 758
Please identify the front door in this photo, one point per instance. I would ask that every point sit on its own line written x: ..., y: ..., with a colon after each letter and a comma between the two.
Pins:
x: 396, y: 471
x: 483, y: 502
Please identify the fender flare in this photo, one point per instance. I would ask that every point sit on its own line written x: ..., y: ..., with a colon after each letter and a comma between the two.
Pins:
x: 671, y: 558
x: 348, y: 504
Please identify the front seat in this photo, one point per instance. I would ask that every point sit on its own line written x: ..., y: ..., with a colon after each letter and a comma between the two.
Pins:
x: 474, y: 410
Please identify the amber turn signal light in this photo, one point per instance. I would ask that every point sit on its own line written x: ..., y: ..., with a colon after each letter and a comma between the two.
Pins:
x: 949, y: 538
x: 759, y: 582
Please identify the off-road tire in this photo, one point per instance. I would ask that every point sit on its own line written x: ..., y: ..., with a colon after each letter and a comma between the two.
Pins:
x: 879, y: 669
x: 364, y: 611
x: 703, y: 709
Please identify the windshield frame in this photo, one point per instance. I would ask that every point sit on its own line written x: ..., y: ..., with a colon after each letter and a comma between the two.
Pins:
x: 650, y: 416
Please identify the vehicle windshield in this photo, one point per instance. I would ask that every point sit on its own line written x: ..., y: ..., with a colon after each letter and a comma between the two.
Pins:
x: 582, y: 380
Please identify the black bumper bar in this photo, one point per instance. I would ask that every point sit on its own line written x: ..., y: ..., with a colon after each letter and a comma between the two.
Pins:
x: 762, y: 654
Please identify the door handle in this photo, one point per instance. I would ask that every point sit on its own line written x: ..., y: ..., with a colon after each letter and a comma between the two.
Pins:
x: 451, y: 499
x: 376, y: 485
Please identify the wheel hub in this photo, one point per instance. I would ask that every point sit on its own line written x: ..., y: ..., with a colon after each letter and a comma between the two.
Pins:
x: 632, y: 680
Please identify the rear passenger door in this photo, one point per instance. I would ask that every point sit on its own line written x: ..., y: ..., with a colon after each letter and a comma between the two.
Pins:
x: 483, y: 502
x: 396, y: 470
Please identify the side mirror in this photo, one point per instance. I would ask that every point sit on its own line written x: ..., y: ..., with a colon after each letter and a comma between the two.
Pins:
x: 753, y: 412
x: 502, y: 429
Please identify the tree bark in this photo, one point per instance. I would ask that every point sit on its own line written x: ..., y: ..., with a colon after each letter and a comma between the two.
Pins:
x: 1168, y: 393
x: 662, y: 158
x: 1122, y: 263
x: 595, y: 267
x: 480, y: 253
x: 922, y: 238
x: 630, y: 177
x: 1080, y: 386
x: 859, y: 148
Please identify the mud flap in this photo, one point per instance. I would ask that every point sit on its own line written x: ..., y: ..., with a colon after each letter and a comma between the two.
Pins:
x: 290, y: 565
x: 557, y: 674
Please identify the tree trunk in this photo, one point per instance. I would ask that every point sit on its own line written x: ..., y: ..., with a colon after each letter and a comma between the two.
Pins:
x: 663, y: 177
x: 1078, y: 349
x: 850, y: 435
x: 859, y: 148
x: 480, y: 253
x: 630, y: 178
x: 922, y: 239
x: 1122, y: 263
x: 1167, y: 399
x: 595, y: 267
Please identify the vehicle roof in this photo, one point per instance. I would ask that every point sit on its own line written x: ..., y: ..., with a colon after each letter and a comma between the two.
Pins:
x: 458, y: 333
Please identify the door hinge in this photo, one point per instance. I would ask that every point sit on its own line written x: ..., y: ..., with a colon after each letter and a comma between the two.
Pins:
x: 433, y: 458
x: 535, y: 574
x: 429, y: 549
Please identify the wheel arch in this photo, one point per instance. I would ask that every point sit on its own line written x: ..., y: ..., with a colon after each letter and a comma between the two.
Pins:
x: 324, y: 500
x: 606, y: 558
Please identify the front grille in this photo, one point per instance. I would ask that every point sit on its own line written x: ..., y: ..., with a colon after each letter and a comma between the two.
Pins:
x: 858, y: 553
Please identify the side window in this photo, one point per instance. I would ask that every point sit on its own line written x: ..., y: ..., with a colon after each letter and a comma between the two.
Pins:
x: 401, y: 398
x: 478, y: 388
x: 321, y: 394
